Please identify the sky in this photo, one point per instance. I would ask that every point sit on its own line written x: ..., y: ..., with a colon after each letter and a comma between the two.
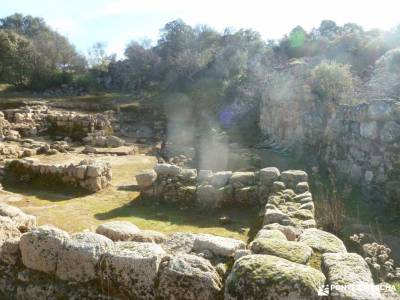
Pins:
x: 116, y: 22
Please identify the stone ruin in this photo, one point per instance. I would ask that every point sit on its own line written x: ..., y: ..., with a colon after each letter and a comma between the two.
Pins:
x: 89, y: 175
x: 288, y: 258
x: 208, y: 189
x: 38, y: 119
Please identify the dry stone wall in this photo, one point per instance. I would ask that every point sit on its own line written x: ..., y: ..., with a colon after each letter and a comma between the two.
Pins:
x: 287, y: 259
x: 361, y: 142
x: 88, y: 174
x: 36, y: 119
x: 207, y: 189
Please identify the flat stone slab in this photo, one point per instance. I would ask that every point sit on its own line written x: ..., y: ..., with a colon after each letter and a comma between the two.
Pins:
x: 120, y: 151
x: 118, y: 230
x: 218, y: 245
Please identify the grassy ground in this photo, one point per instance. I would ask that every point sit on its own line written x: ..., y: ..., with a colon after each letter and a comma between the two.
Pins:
x: 121, y: 201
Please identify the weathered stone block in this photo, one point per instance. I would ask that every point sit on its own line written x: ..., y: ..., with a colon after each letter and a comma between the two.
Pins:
x: 188, y: 277
x: 218, y: 245
x: 41, y: 246
x: 118, y: 230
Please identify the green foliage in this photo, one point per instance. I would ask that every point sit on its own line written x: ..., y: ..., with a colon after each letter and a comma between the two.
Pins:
x: 87, y: 82
x: 16, y: 56
x: 34, y: 56
x: 332, y: 82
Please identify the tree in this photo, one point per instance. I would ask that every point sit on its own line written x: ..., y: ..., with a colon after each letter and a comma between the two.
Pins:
x: 97, y: 56
x: 17, y: 58
x: 46, y: 58
x: 328, y: 28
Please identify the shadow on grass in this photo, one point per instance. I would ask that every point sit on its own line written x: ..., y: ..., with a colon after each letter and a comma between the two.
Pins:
x: 145, y: 209
x: 53, y: 193
x: 129, y: 188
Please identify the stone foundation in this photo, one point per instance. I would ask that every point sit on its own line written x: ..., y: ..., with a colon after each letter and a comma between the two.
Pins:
x: 88, y: 175
x: 36, y: 119
x: 207, y: 189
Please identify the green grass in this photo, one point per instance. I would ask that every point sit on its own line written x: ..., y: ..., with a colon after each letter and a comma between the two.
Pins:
x: 75, y: 212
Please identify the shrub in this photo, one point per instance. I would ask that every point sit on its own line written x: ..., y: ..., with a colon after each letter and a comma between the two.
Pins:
x: 45, y: 80
x: 332, y: 82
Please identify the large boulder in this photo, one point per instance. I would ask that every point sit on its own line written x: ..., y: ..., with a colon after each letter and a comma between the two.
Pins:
x: 22, y: 220
x: 132, y: 267
x: 78, y: 258
x: 349, y: 277
x: 294, y: 251
x: 146, y: 178
x: 322, y: 241
x: 220, y: 179
x: 269, y: 175
x: 260, y: 276
x: 41, y: 246
x: 220, y: 246
x: 167, y: 169
x: 188, y: 277
x: 292, y: 177
x: 242, y: 179
x: 118, y: 230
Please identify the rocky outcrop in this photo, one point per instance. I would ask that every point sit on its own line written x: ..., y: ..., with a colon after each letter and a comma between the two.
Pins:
x: 88, y: 174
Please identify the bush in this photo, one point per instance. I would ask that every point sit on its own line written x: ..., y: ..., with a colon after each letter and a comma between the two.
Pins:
x: 87, y: 82
x: 45, y: 80
x: 332, y: 82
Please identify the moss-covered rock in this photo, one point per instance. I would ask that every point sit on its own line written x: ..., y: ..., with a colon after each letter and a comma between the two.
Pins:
x: 349, y: 277
x: 294, y: 251
x: 322, y: 241
x: 270, y: 277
